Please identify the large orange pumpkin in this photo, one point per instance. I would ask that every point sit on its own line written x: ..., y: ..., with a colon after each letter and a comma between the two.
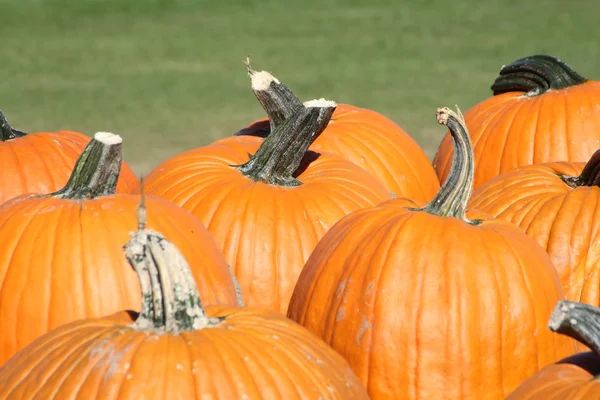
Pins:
x: 42, y: 162
x: 542, y: 111
x: 268, y: 210
x: 363, y: 136
x: 425, y: 303
x: 176, y: 349
x: 576, y: 377
x: 558, y: 205
x: 61, y: 256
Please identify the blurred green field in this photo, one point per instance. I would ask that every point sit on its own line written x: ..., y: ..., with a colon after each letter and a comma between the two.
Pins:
x: 168, y: 75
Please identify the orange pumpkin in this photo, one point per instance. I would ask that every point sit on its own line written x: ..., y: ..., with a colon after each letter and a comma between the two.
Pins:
x: 425, y: 303
x: 365, y: 137
x: 576, y: 377
x: 542, y: 111
x: 176, y: 349
x: 42, y: 162
x: 268, y: 210
x: 558, y: 205
x: 61, y: 254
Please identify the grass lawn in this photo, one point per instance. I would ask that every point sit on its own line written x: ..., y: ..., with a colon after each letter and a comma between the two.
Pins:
x: 168, y: 75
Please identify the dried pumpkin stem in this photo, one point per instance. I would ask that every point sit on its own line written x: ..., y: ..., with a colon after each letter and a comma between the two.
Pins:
x: 281, y: 153
x: 590, y: 175
x: 96, y: 172
x: 452, y: 199
x: 170, y: 299
x: 578, y: 321
x: 278, y: 101
x: 536, y: 75
x: 6, y: 131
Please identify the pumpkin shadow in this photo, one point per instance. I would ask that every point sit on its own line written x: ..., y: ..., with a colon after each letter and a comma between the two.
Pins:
x: 309, y: 157
x: 260, y: 129
x: 588, y: 361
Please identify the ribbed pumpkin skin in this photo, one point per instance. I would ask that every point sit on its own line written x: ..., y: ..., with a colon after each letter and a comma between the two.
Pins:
x: 571, y: 379
x: 382, y: 148
x: 252, y: 354
x: 42, y: 163
x: 62, y: 260
x: 511, y: 130
x: 265, y: 231
x: 428, y: 307
x: 563, y: 220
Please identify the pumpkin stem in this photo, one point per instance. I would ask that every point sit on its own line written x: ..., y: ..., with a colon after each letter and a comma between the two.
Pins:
x: 536, y: 75
x: 578, y: 321
x: 590, y: 176
x: 278, y: 101
x: 96, y: 172
x: 170, y: 299
x: 280, y: 155
x: 452, y: 199
x: 6, y: 131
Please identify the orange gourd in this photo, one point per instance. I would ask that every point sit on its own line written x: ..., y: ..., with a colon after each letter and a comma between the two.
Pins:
x: 426, y: 302
x: 42, y: 162
x: 267, y: 202
x: 61, y: 256
x: 365, y: 137
x: 576, y: 377
x: 558, y: 205
x: 174, y: 348
x: 542, y: 111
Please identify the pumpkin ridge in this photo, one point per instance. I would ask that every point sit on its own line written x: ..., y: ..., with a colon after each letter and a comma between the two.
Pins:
x: 536, y: 75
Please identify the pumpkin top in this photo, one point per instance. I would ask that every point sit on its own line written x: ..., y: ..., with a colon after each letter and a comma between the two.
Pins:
x: 452, y: 199
x: 96, y: 171
x: 590, y: 175
x: 6, y: 131
x: 579, y: 321
x: 170, y: 299
x: 280, y: 155
x: 536, y: 75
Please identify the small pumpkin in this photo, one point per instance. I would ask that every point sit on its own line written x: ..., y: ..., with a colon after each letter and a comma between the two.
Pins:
x: 175, y: 348
x: 61, y: 254
x: 426, y: 302
x: 576, y: 377
x: 365, y: 137
x: 542, y: 111
x: 268, y: 201
x: 42, y: 162
x: 558, y: 205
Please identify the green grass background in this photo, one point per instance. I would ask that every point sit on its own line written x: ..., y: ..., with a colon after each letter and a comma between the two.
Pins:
x: 167, y: 75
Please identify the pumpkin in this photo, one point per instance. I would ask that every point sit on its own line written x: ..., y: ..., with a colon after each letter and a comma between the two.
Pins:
x: 175, y: 348
x: 363, y: 136
x: 426, y: 302
x: 42, y: 162
x: 61, y: 254
x: 558, y: 205
x: 542, y: 111
x: 576, y: 377
x: 267, y: 202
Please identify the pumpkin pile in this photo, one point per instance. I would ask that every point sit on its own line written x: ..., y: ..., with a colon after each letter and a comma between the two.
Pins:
x: 314, y: 254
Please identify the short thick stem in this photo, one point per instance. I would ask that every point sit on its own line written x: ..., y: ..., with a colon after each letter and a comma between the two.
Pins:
x: 452, y: 199
x: 278, y: 101
x: 6, y: 131
x: 96, y: 172
x: 536, y: 75
x: 578, y: 321
x: 170, y: 299
x: 281, y: 153
x: 590, y: 175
